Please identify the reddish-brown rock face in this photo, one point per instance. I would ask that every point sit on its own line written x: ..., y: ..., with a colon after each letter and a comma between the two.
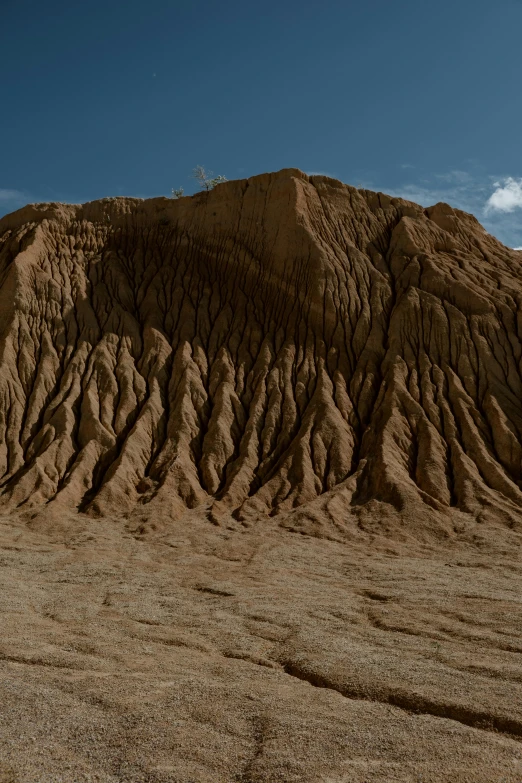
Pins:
x: 279, y: 341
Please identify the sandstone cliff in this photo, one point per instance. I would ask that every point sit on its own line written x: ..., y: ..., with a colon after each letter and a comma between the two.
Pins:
x: 283, y: 342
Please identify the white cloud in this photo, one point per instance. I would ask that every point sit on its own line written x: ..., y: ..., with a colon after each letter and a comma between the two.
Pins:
x: 506, y: 197
x: 517, y: 248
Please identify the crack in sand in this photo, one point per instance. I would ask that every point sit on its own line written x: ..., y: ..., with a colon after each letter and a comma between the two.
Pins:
x: 415, y: 704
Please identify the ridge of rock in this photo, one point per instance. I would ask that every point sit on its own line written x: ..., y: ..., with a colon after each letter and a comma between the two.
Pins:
x: 282, y: 342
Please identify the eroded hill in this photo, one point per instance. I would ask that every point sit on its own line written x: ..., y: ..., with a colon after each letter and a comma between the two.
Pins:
x: 185, y: 388
x: 277, y: 343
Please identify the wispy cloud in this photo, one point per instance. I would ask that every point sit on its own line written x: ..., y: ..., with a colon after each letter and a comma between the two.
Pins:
x: 458, y: 188
x: 506, y: 197
x: 11, y: 195
x: 11, y: 199
x: 321, y: 174
x: 455, y: 177
x: 493, y: 200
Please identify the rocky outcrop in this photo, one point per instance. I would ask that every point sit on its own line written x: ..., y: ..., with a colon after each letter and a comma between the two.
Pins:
x: 274, y: 341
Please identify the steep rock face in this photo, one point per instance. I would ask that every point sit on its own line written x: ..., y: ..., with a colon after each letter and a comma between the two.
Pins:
x: 274, y: 341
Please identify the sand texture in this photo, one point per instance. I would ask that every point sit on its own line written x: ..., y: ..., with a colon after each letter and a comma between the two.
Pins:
x: 261, y: 490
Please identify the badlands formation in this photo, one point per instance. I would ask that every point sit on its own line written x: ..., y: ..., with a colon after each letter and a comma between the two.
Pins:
x: 261, y: 490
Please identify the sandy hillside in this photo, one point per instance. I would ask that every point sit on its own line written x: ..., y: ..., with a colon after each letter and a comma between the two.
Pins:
x: 261, y: 490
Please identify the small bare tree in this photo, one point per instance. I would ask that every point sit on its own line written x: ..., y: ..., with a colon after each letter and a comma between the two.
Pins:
x: 177, y: 192
x: 205, y: 178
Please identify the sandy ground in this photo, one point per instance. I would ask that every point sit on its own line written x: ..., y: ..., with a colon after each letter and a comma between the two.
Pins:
x: 214, y: 655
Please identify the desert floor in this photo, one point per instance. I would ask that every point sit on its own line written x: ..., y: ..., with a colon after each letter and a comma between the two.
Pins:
x: 202, y: 654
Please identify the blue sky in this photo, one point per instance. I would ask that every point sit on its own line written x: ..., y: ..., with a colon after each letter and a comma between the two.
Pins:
x: 116, y: 97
